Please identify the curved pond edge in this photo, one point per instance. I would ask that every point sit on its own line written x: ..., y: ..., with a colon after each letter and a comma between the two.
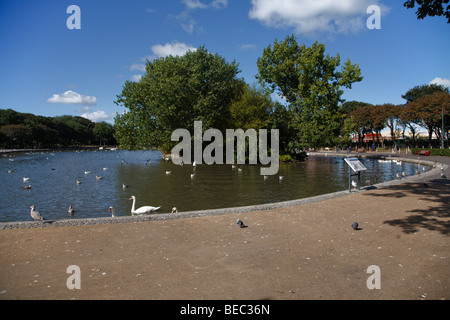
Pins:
x: 434, y: 173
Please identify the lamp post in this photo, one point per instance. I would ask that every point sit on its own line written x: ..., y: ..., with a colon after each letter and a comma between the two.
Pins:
x: 442, y: 135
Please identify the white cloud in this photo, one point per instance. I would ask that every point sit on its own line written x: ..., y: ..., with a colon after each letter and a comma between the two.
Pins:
x: 185, y: 19
x: 96, y: 116
x: 137, y: 66
x: 136, y: 77
x: 310, y: 17
x: 174, y: 48
x: 72, y: 97
x: 441, y: 81
x: 197, y: 4
x: 246, y: 46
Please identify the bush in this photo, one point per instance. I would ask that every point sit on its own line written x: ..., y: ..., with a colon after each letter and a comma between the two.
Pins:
x: 433, y: 152
x: 286, y: 158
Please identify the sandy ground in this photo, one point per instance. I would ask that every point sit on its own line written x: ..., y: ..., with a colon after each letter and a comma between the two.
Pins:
x: 294, y: 253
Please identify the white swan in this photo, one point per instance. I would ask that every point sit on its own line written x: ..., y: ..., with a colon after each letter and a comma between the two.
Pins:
x: 112, y: 209
x: 141, y: 210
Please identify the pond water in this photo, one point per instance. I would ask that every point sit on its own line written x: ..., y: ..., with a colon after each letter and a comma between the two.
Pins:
x: 53, y: 176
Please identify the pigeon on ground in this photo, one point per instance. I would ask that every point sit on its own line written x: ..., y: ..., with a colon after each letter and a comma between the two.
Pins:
x: 355, y: 225
x: 240, y: 223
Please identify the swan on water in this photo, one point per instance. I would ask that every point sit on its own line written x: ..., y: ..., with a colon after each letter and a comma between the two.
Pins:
x: 35, y: 215
x: 71, y: 211
x: 144, y: 209
x: 112, y: 209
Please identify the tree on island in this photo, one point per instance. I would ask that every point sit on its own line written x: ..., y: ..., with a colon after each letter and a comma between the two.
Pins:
x: 175, y: 92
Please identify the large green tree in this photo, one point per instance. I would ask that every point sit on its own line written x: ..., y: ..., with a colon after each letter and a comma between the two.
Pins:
x: 311, y: 82
x: 175, y: 92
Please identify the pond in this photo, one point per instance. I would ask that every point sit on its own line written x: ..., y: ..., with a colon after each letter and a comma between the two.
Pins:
x: 153, y: 181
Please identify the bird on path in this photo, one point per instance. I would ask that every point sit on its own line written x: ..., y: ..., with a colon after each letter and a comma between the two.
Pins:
x: 240, y: 223
x: 174, y: 210
x: 355, y: 225
x: 35, y: 215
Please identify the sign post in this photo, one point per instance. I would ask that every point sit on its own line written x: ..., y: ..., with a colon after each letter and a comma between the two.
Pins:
x: 356, y: 166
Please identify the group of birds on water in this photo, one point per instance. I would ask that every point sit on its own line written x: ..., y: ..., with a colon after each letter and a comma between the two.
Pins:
x: 148, y: 209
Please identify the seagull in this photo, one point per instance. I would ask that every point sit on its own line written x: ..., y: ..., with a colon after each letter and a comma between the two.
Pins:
x: 168, y: 172
x: 240, y: 223
x: 10, y: 171
x: 354, y: 184
x: 87, y: 172
x: 98, y: 178
x: 404, y: 173
x: 78, y: 182
x: 417, y: 172
x: 281, y: 178
x: 113, y: 211
x: 192, y: 175
x: 443, y: 175
x: 25, y: 179
x: 266, y: 177
x: 71, y: 211
x: 174, y: 210
x: 26, y: 187
x: 124, y: 186
x: 104, y: 169
x: 355, y: 225
x: 194, y: 164
x: 35, y: 215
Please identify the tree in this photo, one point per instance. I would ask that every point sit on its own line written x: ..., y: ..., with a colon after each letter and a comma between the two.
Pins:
x: 429, y: 8
x: 252, y: 109
x: 175, y: 92
x: 429, y: 110
x: 103, y: 132
x: 417, y: 114
x: 311, y: 83
x: 392, y: 114
x: 423, y: 90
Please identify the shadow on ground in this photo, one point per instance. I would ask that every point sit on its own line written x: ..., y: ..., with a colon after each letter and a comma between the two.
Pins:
x: 435, y: 218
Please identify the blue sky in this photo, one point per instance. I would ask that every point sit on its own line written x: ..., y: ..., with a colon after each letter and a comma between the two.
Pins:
x: 50, y: 70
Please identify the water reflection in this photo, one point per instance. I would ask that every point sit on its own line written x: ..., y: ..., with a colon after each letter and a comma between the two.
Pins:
x: 53, y: 179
